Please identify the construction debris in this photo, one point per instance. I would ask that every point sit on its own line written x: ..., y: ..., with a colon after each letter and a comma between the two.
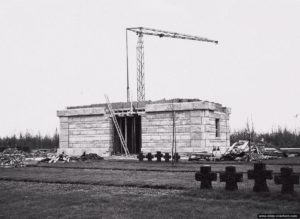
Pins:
x: 12, y: 157
x: 290, y: 152
x: 204, y: 155
x: 91, y: 156
x: 63, y: 158
x: 239, y: 151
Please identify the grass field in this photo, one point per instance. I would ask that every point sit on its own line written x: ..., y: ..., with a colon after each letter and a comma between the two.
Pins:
x: 129, y: 189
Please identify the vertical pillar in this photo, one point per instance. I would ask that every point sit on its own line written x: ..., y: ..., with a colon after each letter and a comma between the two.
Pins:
x: 126, y: 137
x: 140, y: 68
x: 122, y: 131
x: 133, y: 135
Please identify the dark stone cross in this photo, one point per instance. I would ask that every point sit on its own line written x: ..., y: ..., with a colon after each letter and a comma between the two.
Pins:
x: 260, y: 175
x: 149, y: 156
x: 167, y: 157
x: 158, y: 155
x: 287, y: 178
x: 141, y: 156
x: 205, y: 176
x: 231, y: 177
x: 176, y: 157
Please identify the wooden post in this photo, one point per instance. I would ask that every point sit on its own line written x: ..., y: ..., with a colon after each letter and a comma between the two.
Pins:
x: 175, y: 148
x: 121, y: 125
x: 249, y: 147
x: 126, y: 137
x: 134, y: 134
x: 173, y: 142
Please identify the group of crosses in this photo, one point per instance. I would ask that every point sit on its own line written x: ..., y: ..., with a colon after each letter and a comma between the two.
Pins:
x: 259, y: 174
x: 158, y: 156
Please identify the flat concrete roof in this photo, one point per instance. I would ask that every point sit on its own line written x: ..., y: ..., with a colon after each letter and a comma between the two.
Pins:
x: 124, y: 105
x: 149, y: 106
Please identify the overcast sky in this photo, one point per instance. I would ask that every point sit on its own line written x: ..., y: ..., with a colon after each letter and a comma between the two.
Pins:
x: 60, y: 53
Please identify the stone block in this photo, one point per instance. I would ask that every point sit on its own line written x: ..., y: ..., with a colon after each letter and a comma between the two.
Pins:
x: 63, y: 144
x: 210, y: 128
x: 183, y: 129
x: 63, y: 125
x: 146, y: 138
x: 205, y: 120
x: 63, y: 119
x: 182, y: 115
x: 197, y: 113
x: 150, y: 116
x: 63, y: 137
x: 197, y: 136
x: 165, y: 137
x: 104, y: 137
x: 180, y: 136
x: 198, y: 143
x: 152, y: 130
x: 76, y: 138
x: 196, y: 120
x: 165, y: 122
x: 81, y: 111
x: 163, y: 115
x: 164, y: 129
x: 197, y: 105
x: 182, y: 143
x: 207, y: 113
x: 183, y: 122
x: 197, y: 128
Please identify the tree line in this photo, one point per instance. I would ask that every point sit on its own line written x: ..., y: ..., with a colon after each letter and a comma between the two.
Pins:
x: 277, y: 138
x: 28, y: 141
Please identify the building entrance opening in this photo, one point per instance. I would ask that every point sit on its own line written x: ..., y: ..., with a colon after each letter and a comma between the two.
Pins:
x: 131, y: 129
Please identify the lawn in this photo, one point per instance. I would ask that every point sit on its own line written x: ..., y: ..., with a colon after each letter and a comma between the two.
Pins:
x: 35, y: 200
x: 129, y: 189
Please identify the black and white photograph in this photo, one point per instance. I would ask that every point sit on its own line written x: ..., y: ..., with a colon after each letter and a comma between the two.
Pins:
x: 149, y: 109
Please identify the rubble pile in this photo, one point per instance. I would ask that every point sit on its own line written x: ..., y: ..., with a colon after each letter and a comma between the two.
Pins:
x: 40, y: 153
x: 90, y: 156
x: 59, y: 158
x: 11, y: 157
x: 204, y: 155
x: 63, y: 158
x: 239, y: 151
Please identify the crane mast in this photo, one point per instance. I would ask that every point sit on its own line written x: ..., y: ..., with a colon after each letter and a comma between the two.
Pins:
x: 140, y: 68
x: 141, y: 31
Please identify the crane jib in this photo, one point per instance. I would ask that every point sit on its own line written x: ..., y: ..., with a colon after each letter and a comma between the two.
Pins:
x: 163, y: 33
x: 140, y: 31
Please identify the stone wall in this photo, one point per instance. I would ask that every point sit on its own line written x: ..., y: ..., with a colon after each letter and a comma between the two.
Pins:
x: 90, y: 131
x: 157, y: 132
x: 195, y: 128
x: 223, y: 141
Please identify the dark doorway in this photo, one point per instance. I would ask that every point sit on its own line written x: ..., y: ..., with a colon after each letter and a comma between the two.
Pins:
x: 131, y: 128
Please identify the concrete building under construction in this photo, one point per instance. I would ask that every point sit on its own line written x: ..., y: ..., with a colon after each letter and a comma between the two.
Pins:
x: 149, y: 126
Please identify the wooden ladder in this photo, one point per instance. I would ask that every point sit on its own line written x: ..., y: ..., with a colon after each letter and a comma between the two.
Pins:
x: 123, y: 142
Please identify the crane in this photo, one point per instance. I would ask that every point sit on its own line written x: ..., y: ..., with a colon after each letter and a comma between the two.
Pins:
x: 141, y: 31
